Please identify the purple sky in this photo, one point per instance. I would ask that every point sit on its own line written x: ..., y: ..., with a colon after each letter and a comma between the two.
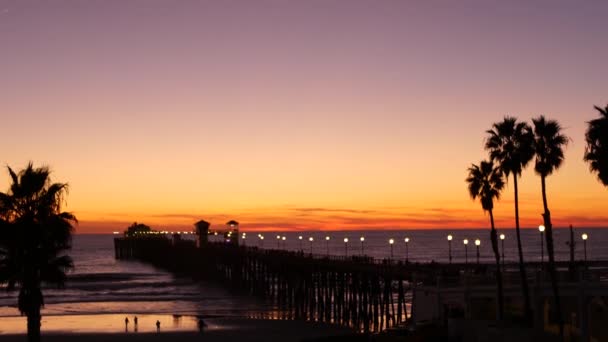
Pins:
x: 221, y: 107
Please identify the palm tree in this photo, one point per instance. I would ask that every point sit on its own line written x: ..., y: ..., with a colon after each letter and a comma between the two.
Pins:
x: 34, y: 234
x: 596, y: 151
x: 510, y: 144
x: 549, y: 145
x: 485, y: 182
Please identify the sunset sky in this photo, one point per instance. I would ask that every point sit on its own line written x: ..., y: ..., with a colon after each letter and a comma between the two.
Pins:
x: 296, y: 114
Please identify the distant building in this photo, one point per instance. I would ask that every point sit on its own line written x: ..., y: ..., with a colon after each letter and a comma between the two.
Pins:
x: 202, y: 232
x: 232, y: 233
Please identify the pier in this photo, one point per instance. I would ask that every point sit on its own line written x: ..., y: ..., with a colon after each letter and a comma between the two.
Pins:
x: 360, y: 292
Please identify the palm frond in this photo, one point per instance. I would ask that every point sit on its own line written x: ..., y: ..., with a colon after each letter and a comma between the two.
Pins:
x: 549, y: 144
x: 509, y: 143
x: 596, y: 149
x: 485, y: 181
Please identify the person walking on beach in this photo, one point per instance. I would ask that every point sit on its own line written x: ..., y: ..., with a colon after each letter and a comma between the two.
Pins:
x: 135, y: 323
x: 126, y: 324
x: 157, y: 326
x: 201, y: 325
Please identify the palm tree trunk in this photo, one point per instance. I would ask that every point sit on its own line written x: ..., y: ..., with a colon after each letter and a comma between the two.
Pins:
x: 499, y: 293
x: 550, y: 253
x: 522, y: 266
x: 33, y: 325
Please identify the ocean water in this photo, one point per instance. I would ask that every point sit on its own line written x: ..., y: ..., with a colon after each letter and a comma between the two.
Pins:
x: 100, y: 284
x: 432, y: 245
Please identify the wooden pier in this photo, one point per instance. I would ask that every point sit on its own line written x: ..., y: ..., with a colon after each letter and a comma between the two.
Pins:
x: 360, y: 292
x: 356, y: 291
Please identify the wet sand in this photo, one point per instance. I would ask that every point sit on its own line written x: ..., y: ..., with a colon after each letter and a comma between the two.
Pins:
x: 224, y: 330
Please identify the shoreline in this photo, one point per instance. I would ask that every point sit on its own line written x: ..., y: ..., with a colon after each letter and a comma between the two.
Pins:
x: 218, y: 329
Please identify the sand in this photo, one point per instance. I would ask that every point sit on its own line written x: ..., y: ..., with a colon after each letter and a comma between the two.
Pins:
x: 226, y: 330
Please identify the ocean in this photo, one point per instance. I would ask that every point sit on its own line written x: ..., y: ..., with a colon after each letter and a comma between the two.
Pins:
x: 100, y: 284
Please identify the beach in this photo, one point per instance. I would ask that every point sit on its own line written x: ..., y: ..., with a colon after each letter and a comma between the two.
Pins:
x: 224, y: 330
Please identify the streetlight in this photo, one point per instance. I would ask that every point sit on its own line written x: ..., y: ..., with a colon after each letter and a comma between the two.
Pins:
x: 283, y: 239
x: 262, y: 240
x: 466, y: 253
x: 585, y: 237
x: 278, y: 241
x: 502, y: 241
x: 477, y: 243
x: 362, y: 239
x: 311, y: 240
x: 243, y: 238
x: 300, y: 237
x: 407, y: 240
x: 541, y: 229
x: 346, y: 247
x: 450, y: 247
x: 327, y: 244
x: 391, y: 242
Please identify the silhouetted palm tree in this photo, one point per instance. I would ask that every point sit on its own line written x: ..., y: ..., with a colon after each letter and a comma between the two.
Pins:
x: 34, y: 234
x: 485, y: 182
x: 549, y: 145
x: 596, y: 151
x: 510, y: 144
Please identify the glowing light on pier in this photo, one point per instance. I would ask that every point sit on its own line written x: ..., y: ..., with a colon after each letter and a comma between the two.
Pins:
x: 585, y: 237
x: 477, y: 244
x: 407, y: 240
x: 345, y: 246
x: 362, y: 240
x: 541, y: 229
x: 450, y: 248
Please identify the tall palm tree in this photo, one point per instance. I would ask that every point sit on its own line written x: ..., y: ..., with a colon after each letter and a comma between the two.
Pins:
x: 596, y: 151
x: 549, y: 144
x: 34, y: 234
x: 510, y: 144
x: 485, y: 182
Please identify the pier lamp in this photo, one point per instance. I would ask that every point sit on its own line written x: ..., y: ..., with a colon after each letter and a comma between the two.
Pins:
x: 502, y: 241
x: 541, y: 229
x: 346, y: 247
x: 311, y: 240
x: 362, y: 240
x: 585, y: 237
x: 450, y: 247
x: 407, y: 242
x: 243, y: 238
x: 327, y: 244
x: 466, y: 252
x: 283, y: 238
x: 477, y: 243
x: 391, y: 242
x: 262, y: 240
x: 278, y: 241
x: 300, y: 238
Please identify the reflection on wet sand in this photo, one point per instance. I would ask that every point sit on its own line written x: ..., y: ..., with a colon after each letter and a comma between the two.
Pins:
x: 109, y: 323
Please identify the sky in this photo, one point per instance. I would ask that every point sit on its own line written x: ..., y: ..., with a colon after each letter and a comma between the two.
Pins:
x: 296, y: 115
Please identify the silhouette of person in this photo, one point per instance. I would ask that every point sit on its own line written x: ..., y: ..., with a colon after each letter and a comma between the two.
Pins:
x: 201, y: 325
x: 157, y: 326
x: 126, y: 323
x: 135, y: 323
